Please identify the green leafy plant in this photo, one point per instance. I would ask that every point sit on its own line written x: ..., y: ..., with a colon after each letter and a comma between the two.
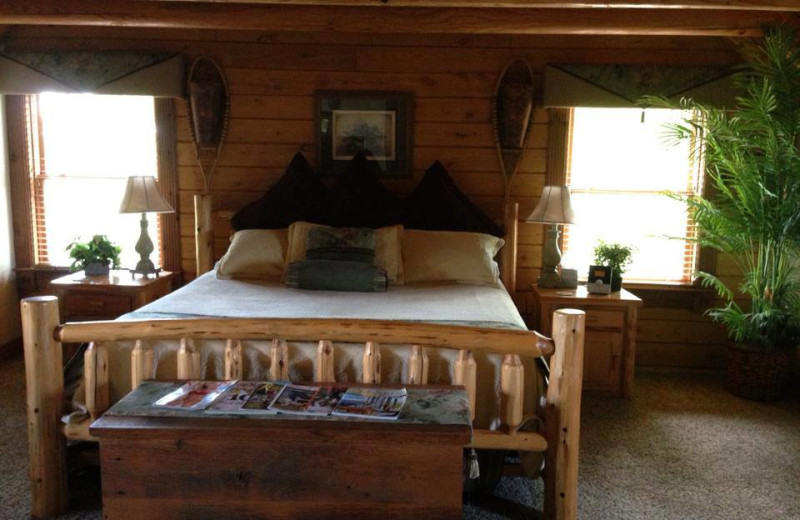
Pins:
x: 753, y: 163
x: 98, y: 250
x: 616, y: 255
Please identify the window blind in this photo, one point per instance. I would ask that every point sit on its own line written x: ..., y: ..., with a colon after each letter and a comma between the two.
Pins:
x: 619, y: 171
x: 83, y: 148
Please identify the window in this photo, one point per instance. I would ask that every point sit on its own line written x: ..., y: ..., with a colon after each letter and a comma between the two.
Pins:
x: 84, y: 148
x: 620, y: 165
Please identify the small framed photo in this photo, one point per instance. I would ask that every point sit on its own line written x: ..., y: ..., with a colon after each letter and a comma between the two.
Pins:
x: 377, y: 123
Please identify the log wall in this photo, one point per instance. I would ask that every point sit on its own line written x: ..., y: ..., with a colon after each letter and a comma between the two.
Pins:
x: 273, y: 77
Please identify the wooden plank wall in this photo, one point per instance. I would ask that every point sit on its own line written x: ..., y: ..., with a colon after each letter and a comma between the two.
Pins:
x: 273, y: 77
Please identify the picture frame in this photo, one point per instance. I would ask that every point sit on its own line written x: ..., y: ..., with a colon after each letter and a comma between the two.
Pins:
x: 379, y: 123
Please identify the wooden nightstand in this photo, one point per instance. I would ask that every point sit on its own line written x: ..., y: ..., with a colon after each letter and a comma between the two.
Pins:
x: 107, y: 297
x: 610, y: 345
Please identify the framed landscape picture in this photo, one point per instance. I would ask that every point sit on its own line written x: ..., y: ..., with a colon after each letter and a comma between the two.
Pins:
x: 377, y: 123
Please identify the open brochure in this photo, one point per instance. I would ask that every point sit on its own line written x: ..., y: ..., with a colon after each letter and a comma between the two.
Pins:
x: 262, y: 397
x: 309, y: 400
x: 194, y: 395
x: 372, y: 403
x: 232, y: 400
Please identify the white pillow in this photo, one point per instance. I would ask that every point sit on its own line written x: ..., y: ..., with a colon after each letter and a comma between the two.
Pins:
x: 255, y: 253
x: 388, y: 248
x: 450, y: 257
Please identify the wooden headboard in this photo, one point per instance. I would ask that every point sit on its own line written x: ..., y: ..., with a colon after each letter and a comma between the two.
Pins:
x: 204, y: 218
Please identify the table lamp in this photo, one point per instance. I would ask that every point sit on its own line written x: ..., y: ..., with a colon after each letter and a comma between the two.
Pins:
x: 142, y: 196
x: 554, y: 208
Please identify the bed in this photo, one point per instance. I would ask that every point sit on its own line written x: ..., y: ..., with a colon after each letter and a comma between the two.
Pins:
x: 467, y: 335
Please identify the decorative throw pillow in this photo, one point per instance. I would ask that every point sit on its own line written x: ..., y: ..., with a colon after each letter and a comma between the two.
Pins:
x: 330, y: 275
x: 388, y: 248
x: 255, y: 253
x: 450, y: 257
x: 341, y: 244
x: 438, y: 205
x: 295, y: 196
x: 359, y: 199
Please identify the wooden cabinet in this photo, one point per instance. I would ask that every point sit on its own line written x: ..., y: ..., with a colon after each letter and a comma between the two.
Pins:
x: 610, y: 345
x: 107, y: 297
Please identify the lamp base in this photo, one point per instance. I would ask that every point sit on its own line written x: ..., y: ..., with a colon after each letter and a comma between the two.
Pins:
x: 551, y: 257
x: 145, y: 272
x: 549, y: 280
x: 144, y: 247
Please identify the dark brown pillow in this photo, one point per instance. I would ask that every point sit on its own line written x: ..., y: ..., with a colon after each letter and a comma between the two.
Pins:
x: 359, y: 199
x: 438, y: 205
x: 294, y: 197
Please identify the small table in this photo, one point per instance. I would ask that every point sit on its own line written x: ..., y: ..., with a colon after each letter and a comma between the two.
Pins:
x: 107, y: 297
x: 610, y: 342
x: 166, y: 464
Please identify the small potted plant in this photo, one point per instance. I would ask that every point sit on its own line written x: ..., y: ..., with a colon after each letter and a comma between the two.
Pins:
x: 615, y: 255
x: 96, y: 257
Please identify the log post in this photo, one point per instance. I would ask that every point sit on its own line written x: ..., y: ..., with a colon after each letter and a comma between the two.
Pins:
x: 371, y: 363
x: 203, y: 233
x: 508, y: 255
x: 188, y: 360
x: 563, y: 416
x: 233, y: 359
x: 95, y: 379
x: 44, y: 381
x: 466, y: 372
x: 325, y: 372
x: 279, y: 360
x: 512, y: 390
x: 141, y: 364
x: 418, y: 366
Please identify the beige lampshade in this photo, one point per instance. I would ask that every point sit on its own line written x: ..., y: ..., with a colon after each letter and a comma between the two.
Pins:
x: 142, y: 196
x: 555, y: 207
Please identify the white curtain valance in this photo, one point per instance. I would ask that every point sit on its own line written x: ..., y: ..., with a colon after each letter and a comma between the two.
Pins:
x: 109, y: 72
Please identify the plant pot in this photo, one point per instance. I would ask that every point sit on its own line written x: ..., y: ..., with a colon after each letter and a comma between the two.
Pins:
x: 758, y: 375
x: 616, y: 282
x: 96, y: 269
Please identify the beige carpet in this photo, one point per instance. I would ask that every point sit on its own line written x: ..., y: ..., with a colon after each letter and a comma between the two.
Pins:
x: 681, y: 449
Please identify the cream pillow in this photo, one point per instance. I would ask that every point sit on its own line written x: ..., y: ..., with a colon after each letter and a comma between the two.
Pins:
x: 388, y: 248
x: 255, y: 253
x: 451, y: 257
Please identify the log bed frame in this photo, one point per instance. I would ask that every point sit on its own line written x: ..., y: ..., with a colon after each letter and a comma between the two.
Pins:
x: 43, y: 334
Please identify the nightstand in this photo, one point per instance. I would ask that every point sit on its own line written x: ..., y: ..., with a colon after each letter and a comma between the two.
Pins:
x: 85, y: 298
x: 610, y: 344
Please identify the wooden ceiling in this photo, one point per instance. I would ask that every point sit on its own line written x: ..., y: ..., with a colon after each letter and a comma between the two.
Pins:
x: 744, y: 18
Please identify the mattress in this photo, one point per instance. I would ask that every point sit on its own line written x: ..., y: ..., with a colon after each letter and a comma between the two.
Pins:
x: 207, y: 296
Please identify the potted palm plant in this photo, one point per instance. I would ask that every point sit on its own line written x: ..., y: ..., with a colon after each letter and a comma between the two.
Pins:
x: 753, y: 164
x: 615, y: 255
x: 95, y: 257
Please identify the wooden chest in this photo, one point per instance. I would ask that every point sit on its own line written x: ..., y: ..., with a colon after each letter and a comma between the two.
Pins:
x: 279, y: 467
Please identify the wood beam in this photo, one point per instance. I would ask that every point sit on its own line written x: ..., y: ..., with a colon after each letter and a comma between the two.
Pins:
x: 755, y: 5
x: 203, y: 15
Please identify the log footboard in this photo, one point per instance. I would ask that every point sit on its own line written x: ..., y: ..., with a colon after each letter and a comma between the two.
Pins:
x: 43, y: 334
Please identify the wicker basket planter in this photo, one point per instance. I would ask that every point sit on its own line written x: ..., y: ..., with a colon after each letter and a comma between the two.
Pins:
x: 757, y: 375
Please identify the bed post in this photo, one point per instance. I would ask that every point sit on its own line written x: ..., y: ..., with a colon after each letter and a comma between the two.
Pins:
x: 203, y: 233
x: 44, y: 381
x: 508, y: 255
x: 563, y: 416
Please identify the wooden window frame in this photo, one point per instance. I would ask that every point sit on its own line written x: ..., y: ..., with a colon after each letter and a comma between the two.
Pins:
x: 22, y: 144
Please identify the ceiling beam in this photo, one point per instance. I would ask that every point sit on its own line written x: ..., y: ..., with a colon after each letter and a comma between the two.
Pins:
x: 218, y: 15
x: 753, y: 5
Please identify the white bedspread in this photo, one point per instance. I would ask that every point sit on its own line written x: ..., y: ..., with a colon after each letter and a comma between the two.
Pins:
x: 207, y: 296
x: 466, y: 304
